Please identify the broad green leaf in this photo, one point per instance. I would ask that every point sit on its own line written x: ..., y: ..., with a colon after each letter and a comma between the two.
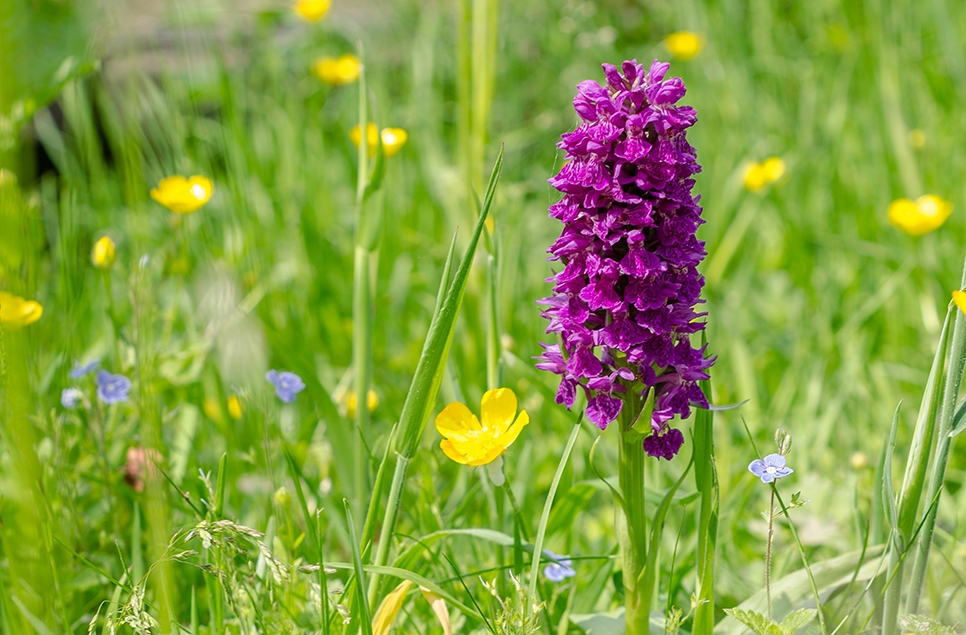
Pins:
x: 612, y: 623
x: 794, y: 590
x: 796, y: 620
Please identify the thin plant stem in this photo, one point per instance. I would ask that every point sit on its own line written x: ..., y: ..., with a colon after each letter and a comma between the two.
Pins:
x: 771, y: 536
x: 361, y: 301
x: 801, y: 551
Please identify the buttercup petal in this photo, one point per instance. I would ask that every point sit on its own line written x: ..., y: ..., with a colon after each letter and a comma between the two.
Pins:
x: 450, y: 450
x: 497, y: 408
x: 490, y: 455
x: 507, y: 438
x: 456, y: 420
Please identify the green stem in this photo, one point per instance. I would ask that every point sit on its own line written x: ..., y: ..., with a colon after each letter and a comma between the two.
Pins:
x: 771, y: 537
x: 632, y: 519
x: 801, y: 551
x: 361, y: 323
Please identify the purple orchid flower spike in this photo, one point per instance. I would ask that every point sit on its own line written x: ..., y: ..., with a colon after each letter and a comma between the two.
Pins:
x: 626, y: 290
x: 770, y: 469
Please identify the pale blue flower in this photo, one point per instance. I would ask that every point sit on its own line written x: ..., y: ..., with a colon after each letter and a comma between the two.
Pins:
x: 82, y: 369
x: 769, y: 469
x: 112, y: 388
x: 287, y: 384
x: 560, y: 570
x: 70, y: 398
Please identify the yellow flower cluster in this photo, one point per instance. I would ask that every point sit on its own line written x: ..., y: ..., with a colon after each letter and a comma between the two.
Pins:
x: 16, y: 312
x: 759, y: 175
x: 472, y: 441
x: 925, y: 214
x: 183, y: 195
x: 393, y: 139
x: 312, y: 10
x: 684, y: 45
x: 337, y: 71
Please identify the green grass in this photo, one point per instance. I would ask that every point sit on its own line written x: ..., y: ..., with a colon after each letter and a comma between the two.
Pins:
x: 821, y: 314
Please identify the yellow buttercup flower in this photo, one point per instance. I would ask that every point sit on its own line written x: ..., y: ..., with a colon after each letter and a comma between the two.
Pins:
x: 372, y: 400
x: 924, y: 215
x: 235, y: 407
x: 393, y: 139
x: 312, y: 10
x: 211, y: 408
x: 758, y: 175
x: 337, y: 71
x: 16, y: 312
x: 104, y: 253
x: 684, y: 45
x: 183, y: 195
x: 469, y: 440
x: 959, y: 298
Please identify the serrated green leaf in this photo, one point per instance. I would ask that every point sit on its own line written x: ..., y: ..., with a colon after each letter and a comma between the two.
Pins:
x: 758, y: 623
x: 796, y: 620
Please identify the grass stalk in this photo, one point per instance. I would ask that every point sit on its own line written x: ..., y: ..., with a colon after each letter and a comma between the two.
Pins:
x: 913, y: 482
x: 421, y: 398
x: 953, y: 381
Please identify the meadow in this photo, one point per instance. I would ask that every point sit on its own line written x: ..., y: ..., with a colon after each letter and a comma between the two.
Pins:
x: 182, y: 449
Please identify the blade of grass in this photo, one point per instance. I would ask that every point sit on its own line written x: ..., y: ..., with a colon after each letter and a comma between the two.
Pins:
x: 421, y: 397
x: 954, y: 379
x: 547, y: 506
x: 914, y: 480
x: 365, y: 616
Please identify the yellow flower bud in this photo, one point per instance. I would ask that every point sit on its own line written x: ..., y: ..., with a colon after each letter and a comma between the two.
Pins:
x: 104, y: 253
x: 235, y: 407
x: 16, y: 312
x: 372, y: 400
x: 312, y: 10
x: 282, y: 497
x: 684, y: 45
x: 337, y: 71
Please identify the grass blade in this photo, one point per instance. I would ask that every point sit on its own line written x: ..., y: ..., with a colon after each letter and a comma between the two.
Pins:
x: 545, y: 516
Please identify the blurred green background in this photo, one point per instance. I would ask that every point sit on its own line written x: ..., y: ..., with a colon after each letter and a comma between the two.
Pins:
x: 821, y: 314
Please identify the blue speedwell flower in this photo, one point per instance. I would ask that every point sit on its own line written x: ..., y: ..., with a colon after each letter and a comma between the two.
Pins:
x: 82, y: 369
x: 112, y: 388
x: 769, y: 469
x: 287, y: 384
x: 70, y: 398
x: 560, y: 570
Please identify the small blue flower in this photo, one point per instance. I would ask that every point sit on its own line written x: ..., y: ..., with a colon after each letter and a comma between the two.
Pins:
x: 287, y: 384
x: 770, y: 468
x: 112, y: 388
x: 82, y: 369
x: 560, y: 570
x: 70, y: 398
